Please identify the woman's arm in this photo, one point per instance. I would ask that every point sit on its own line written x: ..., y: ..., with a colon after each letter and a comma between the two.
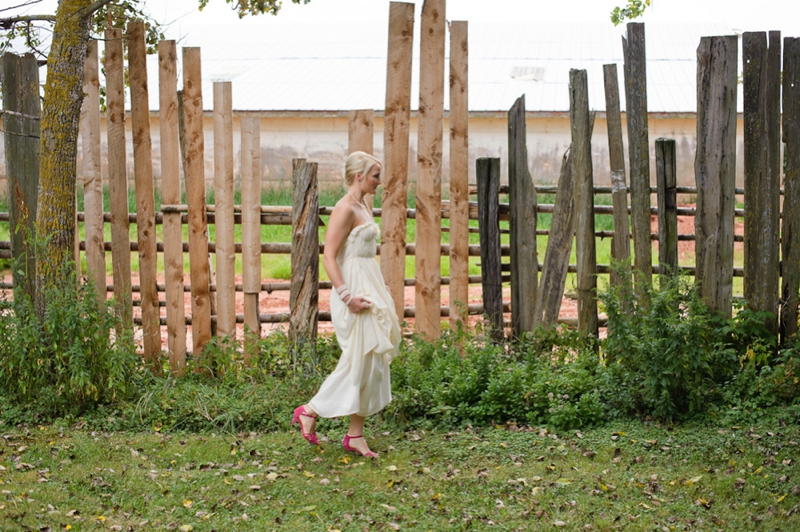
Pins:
x: 339, y: 226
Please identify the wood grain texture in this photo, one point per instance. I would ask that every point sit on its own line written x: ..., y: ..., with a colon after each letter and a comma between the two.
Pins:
x: 583, y: 182
x: 223, y: 200
x: 304, y: 293
x: 251, y: 231
x: 488, y: 178
x: 459, y: 173
x: 20, y: 89
x: 715, y: 169
x: 171, y: 193
x: 559, y: 248
x: 92, y: 174
x: 761, y: 59
x: 194, y: 170
x: 145, y: 194
x: 427, y: 290
x: 666, y: 179
x: 117, y: 176
x: 396, y: 122
x: 790, y: 231
x: 522, y: 224
x: 638, y: 148
x: 616, y: 152
x: 360, y: 133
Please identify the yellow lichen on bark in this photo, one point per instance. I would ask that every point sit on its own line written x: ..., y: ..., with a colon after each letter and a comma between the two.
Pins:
x: 63, y: 95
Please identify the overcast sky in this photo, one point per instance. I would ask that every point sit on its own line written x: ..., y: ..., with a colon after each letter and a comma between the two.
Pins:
x: 744, y: 15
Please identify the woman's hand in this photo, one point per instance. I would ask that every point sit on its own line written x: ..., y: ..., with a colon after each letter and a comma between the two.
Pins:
x: 358, y: 303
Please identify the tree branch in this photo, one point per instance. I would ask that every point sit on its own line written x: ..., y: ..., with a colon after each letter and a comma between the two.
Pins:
x: 24, y: 4
x: 99, y: 4
x: 6, y: 23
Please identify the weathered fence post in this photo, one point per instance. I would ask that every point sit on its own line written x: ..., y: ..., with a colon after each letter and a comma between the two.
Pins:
x: 92, y: 175
x: 621, y: 244
x: 194, y: 168
x: 395, y: 150
x: 522, y: 224
x: 638, y: 149
x: 304, y: 295
x: 117, y: 176
x: 145, y: 198
x: 251, y: 230
x: 21, y: 138
x: 171, y: 195
x: 715, y: 169
x: 459, y: 174
x: 581, y: 129
x: 223, y: 208
x: 790, y: 233
x: 428, y: 257
x: 762, y: 171
x: 488, y: 178
x: 559, y: 248
x: 667, y: 207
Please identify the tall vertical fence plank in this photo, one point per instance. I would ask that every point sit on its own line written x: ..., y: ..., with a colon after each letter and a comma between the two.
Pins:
x: 360, y: 133
x: 522, y: 224
x: 251, y: 229
x: 304, y: 294
x: 666, y: 179
x: 196, y: 198
x: 171, y: 194
x: 488, y: 180
x: 360, y: 130
x: 581, y: 131
x: 790, y: 234
x: 638, y: 148
x: 223, y: 209
x: 427, y: 300
x: 616, y: 151
x: 21, y: 139
x: 559, y: 248
x: 395, y: 150
x: 92, y: 174
x: 762, y: 171
x: 459, y: 174
x: 117, y: 176
x: 715, y: 169
x: 145, y: 199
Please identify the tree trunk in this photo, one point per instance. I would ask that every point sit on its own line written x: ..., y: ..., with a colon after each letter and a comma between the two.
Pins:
x: 55, y: 218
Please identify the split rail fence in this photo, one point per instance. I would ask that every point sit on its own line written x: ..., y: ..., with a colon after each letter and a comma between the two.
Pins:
x: 536, y: 288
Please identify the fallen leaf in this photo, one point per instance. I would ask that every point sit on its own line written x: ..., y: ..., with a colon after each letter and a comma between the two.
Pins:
x: 187, y: 503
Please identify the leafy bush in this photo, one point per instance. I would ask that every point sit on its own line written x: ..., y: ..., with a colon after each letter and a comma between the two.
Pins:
x: 66, y: 361
x: 672, y: 352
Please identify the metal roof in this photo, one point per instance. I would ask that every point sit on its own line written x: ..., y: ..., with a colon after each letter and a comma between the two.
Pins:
x: 320, y: 67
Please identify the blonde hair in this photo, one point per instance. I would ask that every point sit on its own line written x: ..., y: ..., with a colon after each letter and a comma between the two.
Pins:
x: 358, y: 162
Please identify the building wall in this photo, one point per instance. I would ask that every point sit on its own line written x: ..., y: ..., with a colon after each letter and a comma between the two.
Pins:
x: 322, y: 137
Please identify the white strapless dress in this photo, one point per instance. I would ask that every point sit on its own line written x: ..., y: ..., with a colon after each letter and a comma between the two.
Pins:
x: 361, y: 384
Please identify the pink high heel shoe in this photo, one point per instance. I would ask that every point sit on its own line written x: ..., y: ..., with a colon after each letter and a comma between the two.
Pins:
x: 311, y: 437
x: 346, y: 445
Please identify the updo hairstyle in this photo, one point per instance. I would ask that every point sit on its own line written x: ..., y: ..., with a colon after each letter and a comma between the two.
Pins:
x: 358, y: 162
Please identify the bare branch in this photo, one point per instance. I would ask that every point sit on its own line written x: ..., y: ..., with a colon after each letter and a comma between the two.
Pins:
x: 24, y: 4
x: 6, y: 23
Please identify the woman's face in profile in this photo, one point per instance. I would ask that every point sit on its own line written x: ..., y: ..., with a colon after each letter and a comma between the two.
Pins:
x: 372, y: 179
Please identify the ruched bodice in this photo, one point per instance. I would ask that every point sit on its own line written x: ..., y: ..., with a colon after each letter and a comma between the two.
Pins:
x: 361, y: 243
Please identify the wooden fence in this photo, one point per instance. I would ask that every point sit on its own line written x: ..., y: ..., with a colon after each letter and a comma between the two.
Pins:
x: 534, y: 299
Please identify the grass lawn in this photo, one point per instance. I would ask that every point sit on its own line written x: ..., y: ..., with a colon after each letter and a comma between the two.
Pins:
x: 629, y: 476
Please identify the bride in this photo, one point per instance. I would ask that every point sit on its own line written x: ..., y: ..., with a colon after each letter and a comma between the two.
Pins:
x: 362, y: 312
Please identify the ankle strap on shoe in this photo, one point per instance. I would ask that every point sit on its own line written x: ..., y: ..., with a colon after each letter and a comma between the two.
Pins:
x: 354, y: 437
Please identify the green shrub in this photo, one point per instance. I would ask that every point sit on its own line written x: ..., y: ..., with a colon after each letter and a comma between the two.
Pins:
x: 66, y: 361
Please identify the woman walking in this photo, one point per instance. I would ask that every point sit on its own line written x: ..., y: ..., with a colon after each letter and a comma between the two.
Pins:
x: 362, y: 312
